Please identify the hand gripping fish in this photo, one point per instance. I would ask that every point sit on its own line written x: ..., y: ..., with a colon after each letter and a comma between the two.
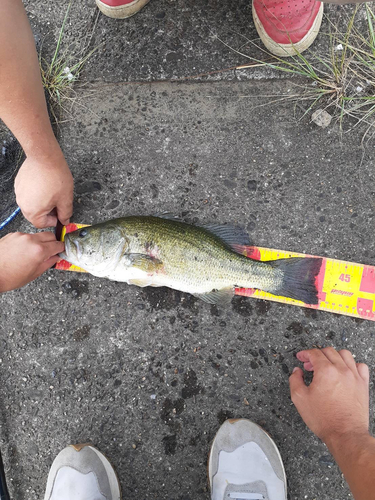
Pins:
x: 205, y: 261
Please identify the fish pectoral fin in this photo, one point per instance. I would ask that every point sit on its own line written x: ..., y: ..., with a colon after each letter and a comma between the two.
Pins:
x: 145, y: 263
x: 221, y: 297
x: 140, y: 282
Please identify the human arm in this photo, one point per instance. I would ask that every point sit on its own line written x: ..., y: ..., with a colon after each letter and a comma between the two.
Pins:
x: 24, y: 257
x: 44, y: 184
x: 335, y: 406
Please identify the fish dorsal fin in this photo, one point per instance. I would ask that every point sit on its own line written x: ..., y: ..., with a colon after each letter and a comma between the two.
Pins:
x: 143, y: 262
x: 234, y: 236
x: 168, y: 216
x: 221, y: 297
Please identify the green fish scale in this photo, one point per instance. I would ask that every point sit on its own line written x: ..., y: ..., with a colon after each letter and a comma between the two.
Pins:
x: 192, y: 256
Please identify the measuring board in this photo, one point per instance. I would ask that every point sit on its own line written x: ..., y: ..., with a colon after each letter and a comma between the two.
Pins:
x: 343, y: 287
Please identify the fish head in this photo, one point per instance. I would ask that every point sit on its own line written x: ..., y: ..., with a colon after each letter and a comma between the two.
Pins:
x: 97, y: 249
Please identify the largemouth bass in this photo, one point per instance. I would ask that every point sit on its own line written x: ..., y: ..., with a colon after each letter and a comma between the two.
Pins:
x: 205, y: 261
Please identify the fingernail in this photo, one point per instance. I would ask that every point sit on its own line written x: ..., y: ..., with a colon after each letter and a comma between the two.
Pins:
x: 294, y: 369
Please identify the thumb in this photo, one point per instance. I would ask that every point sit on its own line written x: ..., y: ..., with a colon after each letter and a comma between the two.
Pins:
x: 64, y: 212
x: 297, y: 385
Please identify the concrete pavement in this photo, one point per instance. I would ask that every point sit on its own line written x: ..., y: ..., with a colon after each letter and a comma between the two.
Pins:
x: 148, y: 375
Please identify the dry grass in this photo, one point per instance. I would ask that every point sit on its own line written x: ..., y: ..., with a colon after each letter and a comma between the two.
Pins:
x: 63, y: 71
x: 341, y: 81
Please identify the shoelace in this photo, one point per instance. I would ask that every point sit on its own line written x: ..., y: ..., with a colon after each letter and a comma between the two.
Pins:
x: 246, y: 496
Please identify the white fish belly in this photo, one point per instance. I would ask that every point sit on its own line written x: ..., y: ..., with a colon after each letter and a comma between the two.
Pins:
x: 131, y: 274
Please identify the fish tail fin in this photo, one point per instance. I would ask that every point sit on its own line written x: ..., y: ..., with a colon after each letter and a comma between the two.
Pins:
x: 298, y: 278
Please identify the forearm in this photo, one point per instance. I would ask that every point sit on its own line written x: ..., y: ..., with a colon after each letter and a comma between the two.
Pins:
x: 355, y: 455
x: 22, y: 102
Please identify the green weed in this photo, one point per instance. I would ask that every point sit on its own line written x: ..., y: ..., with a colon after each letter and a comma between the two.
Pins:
x: 342, y: 80
x: 63, y: 71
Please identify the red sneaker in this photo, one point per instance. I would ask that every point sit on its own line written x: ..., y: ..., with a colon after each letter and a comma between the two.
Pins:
x: 120, y: 9
x: 287, y: 26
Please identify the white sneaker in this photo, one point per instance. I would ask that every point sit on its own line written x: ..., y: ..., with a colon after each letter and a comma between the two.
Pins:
x: 244, y: 463
x: 81, y: 472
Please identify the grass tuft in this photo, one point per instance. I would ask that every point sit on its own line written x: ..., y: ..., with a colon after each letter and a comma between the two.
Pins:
x: 342, y: 80
x: 63, y: 72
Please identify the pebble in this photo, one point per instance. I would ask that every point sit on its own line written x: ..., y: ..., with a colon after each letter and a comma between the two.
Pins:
x: 326, y: 460
x: 321, y: 118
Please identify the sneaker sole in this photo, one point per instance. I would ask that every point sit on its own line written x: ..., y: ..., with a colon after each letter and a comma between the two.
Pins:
x: 289, y: 49
x: 121, y: 11
x: 233, y: 421
x: 111, y: 473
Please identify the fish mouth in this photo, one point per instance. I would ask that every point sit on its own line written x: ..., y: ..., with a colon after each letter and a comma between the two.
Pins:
x: 72, y: 252
x: 78, y: 249
x: 65, y: 254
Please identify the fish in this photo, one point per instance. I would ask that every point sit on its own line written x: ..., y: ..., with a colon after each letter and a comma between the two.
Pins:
x: 206, y: 261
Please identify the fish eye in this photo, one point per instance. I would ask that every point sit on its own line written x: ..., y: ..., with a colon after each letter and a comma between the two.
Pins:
x: 82, y: 233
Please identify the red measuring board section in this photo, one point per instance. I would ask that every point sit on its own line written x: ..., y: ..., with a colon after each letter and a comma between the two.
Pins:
x: 343, y: 287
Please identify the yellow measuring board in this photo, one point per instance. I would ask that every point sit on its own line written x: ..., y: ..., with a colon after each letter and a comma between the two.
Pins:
x: 343, y: 287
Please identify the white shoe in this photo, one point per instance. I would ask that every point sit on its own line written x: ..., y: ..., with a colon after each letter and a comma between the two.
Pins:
x: 81, y: 472
x: 245, y: 464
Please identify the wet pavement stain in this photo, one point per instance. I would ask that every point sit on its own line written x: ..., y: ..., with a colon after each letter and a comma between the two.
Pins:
x: 224, y: 415
x: 242, y: 306
x: 82, y: 333
x: 191, y: 387
x: 76, y: 288
x: 170, y: 444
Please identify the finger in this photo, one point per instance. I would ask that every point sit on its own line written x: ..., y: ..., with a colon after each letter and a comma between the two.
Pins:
x: 308, y: 366
x: 48, y: 263
x: 65, y: 211
x: 296, y: 383
x: 333, y: 356
x: 304, y: 356
x: 45, y: 236
x: 348, y: 359
x: 52, y: 248
x: 43, y: 221
x: 315, y: 357
x: 364, y: 372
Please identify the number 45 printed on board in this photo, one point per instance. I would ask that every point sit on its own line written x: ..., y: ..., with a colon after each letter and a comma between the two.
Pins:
x: 345, y: 277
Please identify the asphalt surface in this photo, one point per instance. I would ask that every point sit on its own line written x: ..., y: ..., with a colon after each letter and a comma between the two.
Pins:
x: 148, y: 375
